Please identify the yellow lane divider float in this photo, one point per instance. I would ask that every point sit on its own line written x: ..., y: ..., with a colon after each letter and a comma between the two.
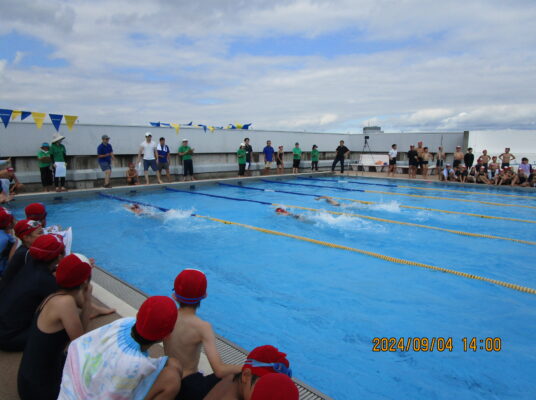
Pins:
x: 489, y: 203
x: 441, y: 211
x: 466, y: 192
x: 376, y: 255
x: 391, y: 221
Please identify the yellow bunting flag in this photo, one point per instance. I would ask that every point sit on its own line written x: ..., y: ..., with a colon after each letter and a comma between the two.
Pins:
x: 15, y: 114
x: 177, y: 127
x: 39, y: 118
x: 239, y: 126
x: 211, y: 128
x: 70, y: 120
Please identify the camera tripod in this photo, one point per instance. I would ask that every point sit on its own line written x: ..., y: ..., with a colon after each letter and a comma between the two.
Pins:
x: 366, y: 147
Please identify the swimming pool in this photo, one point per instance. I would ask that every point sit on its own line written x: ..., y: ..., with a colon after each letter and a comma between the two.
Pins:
x: 322, y: 305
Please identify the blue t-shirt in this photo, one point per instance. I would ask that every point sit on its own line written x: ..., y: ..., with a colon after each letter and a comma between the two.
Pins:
x: 268, y: 153
x: 5, y: 241
x: 162, y: 153
x: 104, y: 149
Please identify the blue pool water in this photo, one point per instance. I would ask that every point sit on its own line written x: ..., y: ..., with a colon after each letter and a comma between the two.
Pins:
x: 323, y: 306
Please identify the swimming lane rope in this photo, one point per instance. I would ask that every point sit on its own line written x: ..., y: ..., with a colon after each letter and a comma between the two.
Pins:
x: 374, y: 202
x: 402, y: 194
x: 352, y: 249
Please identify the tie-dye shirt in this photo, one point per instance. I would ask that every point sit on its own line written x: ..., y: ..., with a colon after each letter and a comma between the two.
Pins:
x: 107, y: 363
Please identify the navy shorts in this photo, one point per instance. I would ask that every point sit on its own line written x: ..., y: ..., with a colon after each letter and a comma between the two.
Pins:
x: 105, y: 165
x: 149, y: 163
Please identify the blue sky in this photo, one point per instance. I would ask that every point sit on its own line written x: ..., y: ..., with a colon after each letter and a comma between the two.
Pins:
x: 316, y: 65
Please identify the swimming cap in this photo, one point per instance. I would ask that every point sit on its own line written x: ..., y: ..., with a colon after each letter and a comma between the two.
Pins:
x: 275, y: 387
x: 265, y: 354
x: 190, y: 286
x: 35, y: 211
x: 6, y: 218
x: 25, y: 227
x: 72, y: 271
x: 47, y: 247
x: 156, y: 318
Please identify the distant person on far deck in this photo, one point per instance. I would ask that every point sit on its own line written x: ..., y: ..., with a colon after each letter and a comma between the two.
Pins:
x: 190, y: 333
x: 268, y: 152
x: 392, y: 161
x: 419, y: 150
x: 241, y: 156
x: 426, y: 158
x: 314, y: 158
x: 163, y: 158
x: 469, y: 158
x: 413, y: 162
x: 458, y: 157
x: 249, y: 154
x: 105, y: 156
x: 59, y: 154
x: 279, y: 161
x: 341, y: 153
x: 150, y: 155
x: 132, y: 174
x: 44, y: 160
x: 506, y: 157
x: 297, y: 158
x: 440, y: 160
x: 484, y: 158
x: 186, y: 152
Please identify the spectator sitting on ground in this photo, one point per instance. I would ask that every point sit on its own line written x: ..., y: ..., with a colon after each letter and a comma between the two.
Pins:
x: 526, y: 168
x: 261, y: 363
x: 13, y: 184
x: 506, y: 157
x: 57, y: 321
x: 506, y: 177
x: 190, y: 333
x: 482, y: 176
x: 119, y: 365
x: 462, y: 174
x: 493, y: 167
x: 448, y: 173
x: 132, y: 174
x: 7, y: 241
x: 471, y: 177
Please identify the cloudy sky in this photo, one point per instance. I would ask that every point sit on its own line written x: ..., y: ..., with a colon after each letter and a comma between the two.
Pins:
x: 315, y: 65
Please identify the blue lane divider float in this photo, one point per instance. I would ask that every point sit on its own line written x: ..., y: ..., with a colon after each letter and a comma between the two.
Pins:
x: 315, y: 186
x: 268, y: 190
x: 109, y: 196
x: 357, y: 182
x: 218, y: 196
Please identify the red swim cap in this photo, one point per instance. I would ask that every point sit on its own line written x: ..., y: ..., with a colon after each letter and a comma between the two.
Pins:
x: 35, y: 211
x: 25, y: 227
x: 275, y: 387
x: 72, y: 271
x: 190, y: 286
x: 156, y: 318
x: 47, y: 247
x: 265, y: 354
x: 6, y: 218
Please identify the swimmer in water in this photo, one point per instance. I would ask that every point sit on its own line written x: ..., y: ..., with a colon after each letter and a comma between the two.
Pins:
x: 135, y: 208
x: 282, y: 211
x: 329, y: 200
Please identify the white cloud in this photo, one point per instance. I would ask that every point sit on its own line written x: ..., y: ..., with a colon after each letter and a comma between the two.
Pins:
x: 19, y: 55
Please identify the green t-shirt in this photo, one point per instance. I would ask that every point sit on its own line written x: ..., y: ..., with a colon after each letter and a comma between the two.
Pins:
x: 241, y: 154
x: 297, y: 153
x: 41, y: 154
x: 184, y: 149
x: 58, y: 152
x: 314, y: 155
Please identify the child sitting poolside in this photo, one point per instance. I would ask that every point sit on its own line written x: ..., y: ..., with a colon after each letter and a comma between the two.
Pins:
x: 132, y: 174
x: 190, y: 333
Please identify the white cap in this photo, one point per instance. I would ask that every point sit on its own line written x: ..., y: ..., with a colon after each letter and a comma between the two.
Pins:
x: 242, y: 144
x: 184, y: 140
x: 82, y: 258
x: 147, y: 134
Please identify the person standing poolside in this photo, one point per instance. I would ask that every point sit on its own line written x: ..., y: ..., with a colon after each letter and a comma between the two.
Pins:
x: 112, y: 362
x: 469, y: 158
x: 506, y: 157
x: 419, y: 151
x: 341, y: 153
x: 279, y: 160
x: 413, y: 162
x: 163, y: 158
x: 186, y: 152
x: 105, y: 155
x: 249, y: 154
x: 484, y: 158
x: 392, y: 160
x: 58, y: 153
x: 57, y: 321
x: 314, y: 158
x: 458, y: 157
x: 44, y: 160
x: 440, y: 160
x: 268, y: 152
x: 241, y: 155
x: 148, y: 149
x: 426, y: 158
x: 297, y: 158
x: 190, y: 333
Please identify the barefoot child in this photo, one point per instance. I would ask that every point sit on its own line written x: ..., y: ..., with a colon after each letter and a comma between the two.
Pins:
x: 190, y: 333
x: 132, y: 174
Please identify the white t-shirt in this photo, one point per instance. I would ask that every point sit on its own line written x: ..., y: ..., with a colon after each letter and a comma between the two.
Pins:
x: 148, y: 150
x: 392, y: 153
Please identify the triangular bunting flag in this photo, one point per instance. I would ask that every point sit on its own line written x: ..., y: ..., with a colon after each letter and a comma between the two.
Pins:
x: 16, y: 114
x: 246, y: 126
x: 177, y: 127
x: 164, y: 124
x: 70, y: 120
x: 238, y: 126
x: 155, y: 124
x: 211, y: 128
x: 203, y: 126
x: 5, y: 115
x: 24, y: 115
x: 56, y: 120
x: 39, y: 118
x: 190, y: 124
